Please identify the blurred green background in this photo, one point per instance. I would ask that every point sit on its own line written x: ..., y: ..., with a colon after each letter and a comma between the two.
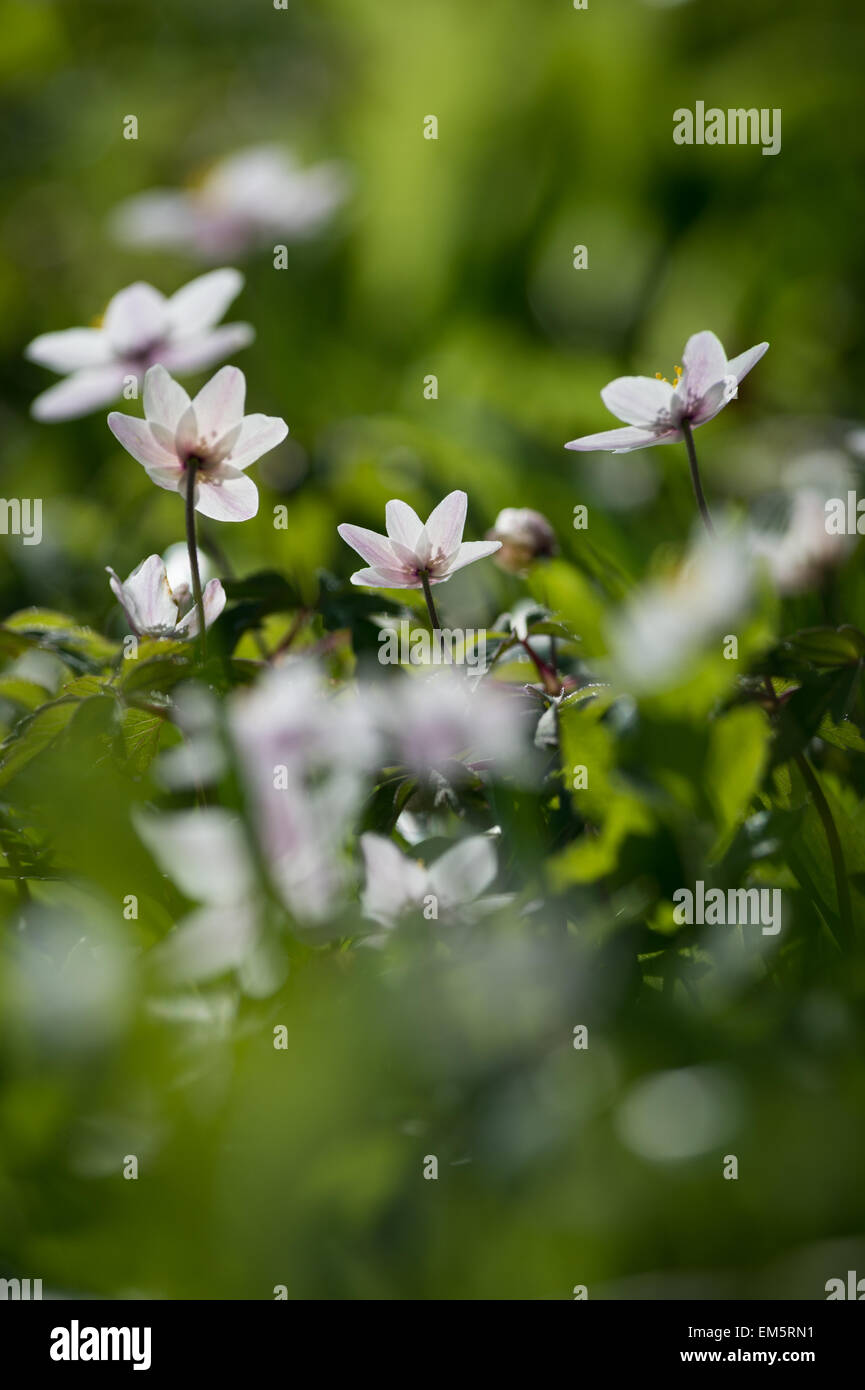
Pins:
x: 303, y: 1167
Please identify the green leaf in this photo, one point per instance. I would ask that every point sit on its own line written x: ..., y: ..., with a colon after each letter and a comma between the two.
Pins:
x: 23, y: 692
x: 59, y: 632
x: 735, y: 764
x: 801, y: 715
x: 140, y: 733
x: 34, y: 734
x: 826, y: 646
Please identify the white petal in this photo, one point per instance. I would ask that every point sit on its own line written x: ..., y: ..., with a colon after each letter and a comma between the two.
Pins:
x: 462, y: 873
x: 203, y: 852
x: 79, y: 394
x: 206, y: 348
x: 377, y: 550
x: 379, y: 578
x: 705, y: 363
x: 402, y: 523
x: 139, y: 440
x: 70, y: 350
x: 638, y: 400
x: 468, y: 552
x: 202, y: 302
x: 214, y: 602
x: 740, y: 366
x: 161, y: 217
x: 207, y: 943
x: 219, y: 405
x: 392, y: 881
x: 226, y: 497
x: 258, y: 434
x: 135, y: 320
x: 147, y: 598
x: 622, y: 441
x: 445, y: 524
x: 165, y: 400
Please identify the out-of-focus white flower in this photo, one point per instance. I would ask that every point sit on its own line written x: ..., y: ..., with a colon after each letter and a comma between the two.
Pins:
x: 178, y: 572
x: 450, y: 889
x: 205, y: 853
x: 244, y: 201
x: 654, y: 409
x: 209, y: 437
x: 153, y: 607
x: 140, y: 327
x: 413, y: 549
x: 801, y: 556
x: 441, y: 719
x: 659, y: 631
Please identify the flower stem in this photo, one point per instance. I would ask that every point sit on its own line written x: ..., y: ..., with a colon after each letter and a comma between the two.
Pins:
x: 830, y: 829
x: 431, y: 608
x: 192, y: 547
x: 688, y: 436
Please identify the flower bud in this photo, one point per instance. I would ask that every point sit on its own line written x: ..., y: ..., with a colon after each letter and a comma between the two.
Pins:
x: 526, y: 536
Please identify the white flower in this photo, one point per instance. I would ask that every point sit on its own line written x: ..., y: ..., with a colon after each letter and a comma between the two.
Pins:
x: 153, y: 608
x: 178, y: 571
x: 443, y: 719
x: 654, y: 410
x: 140, y: 327
x: 451, y: 887
x: 412, y: 549
x: 659, y: 631
x: 206, y: 855
x: 800, y: 557
x: 210, y: 435
x: 246, y: 200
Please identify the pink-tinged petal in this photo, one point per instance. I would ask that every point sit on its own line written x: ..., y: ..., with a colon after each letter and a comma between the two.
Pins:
x: 187, y: 436
x: 467, y: 553
x: 135, y: 320
x: 740, y: 366
x: 372, y: 547
x: 403, y: 523
x: 226, y: 497
x: 202, y: 302
x: 165, y: 400
x: 622, y: 441
x: 462, y: 873
x: 446, y: 523
x: 638, y: 400
x: 714, y: 400
x: 139, y: 440
x: 79, y: 394
x: 219, y: 405
x: 125, y: 602
x: 148, y: 600
x: 382, y: 578
x: 206, y: 348
x: 71, y: 350
x: 214, y: 602
x: 705, y: 363
x: 257, y: 435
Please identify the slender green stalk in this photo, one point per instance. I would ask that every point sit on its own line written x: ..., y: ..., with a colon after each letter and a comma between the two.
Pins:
x: 830, y: 830
x: 192, y: 546
x: 431, y: 608
x: 688, y: 436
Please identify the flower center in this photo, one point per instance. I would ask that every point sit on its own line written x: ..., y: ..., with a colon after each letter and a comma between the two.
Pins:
x: 675, y: 383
